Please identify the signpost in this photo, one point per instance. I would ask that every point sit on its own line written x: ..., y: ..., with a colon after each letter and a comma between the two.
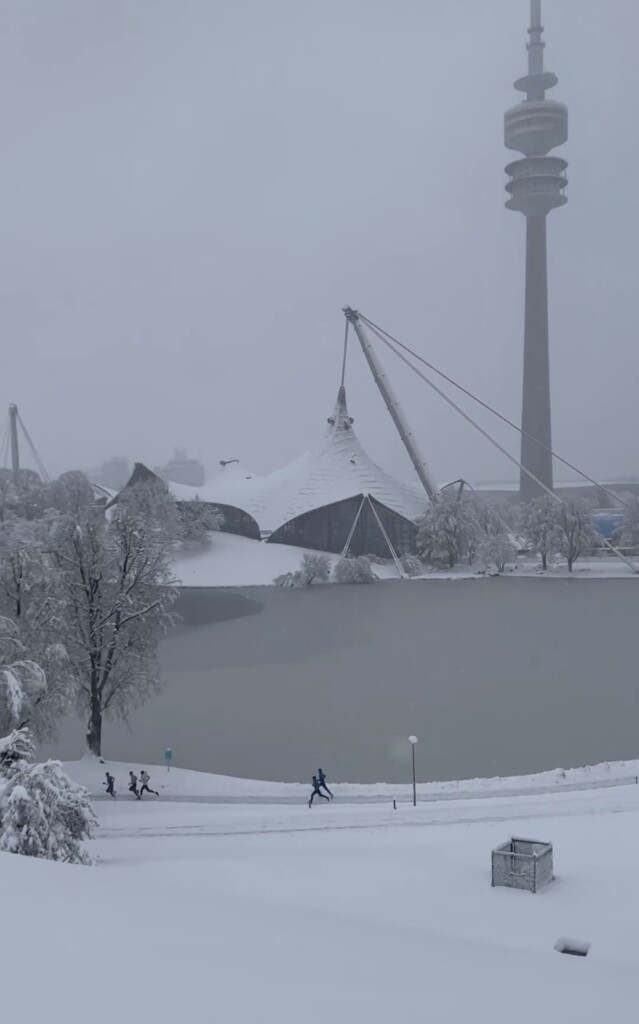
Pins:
x: 168, y: 757
x: 413, y: 740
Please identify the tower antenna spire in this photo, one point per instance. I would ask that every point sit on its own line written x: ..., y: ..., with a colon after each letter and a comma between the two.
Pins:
x: 536, y: 44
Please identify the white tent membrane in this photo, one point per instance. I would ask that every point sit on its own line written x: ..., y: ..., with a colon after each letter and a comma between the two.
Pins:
x: 336, y: 469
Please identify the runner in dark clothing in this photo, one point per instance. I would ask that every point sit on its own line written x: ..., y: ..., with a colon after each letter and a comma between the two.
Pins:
x: 316, y: 791
x: 144, y: 779
x: 110, y: 782
x: 321, y: 778
x: 133, y: 787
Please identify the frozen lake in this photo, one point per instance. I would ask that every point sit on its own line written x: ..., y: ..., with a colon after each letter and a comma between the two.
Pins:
x: 495, y: 676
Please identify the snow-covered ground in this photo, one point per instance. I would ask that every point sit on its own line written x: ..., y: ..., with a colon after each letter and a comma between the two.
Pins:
x: 233, y: 561
x: 345, y: 912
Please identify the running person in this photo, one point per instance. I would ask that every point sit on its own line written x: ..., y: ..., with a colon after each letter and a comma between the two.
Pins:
x: 133, y: 784
x: 321, y: 778
x: 110, y: 782
x: 144, y: 779
x: 317, y: 791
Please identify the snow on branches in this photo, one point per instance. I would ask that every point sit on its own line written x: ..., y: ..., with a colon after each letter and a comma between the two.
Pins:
x: 312, y: 567
x: 22, y: 681
x: 43, y: 813
x: 559, y: 527
x: 354, y: 570
x: 115, y: 580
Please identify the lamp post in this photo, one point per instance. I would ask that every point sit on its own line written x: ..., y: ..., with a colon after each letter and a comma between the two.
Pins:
x: 413, y: 740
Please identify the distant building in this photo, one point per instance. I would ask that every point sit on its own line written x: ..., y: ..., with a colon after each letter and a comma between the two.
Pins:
x: 182, y: 470
x: 112, y: 474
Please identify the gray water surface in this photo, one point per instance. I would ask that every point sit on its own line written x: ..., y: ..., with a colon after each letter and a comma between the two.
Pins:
x: 495, y: 676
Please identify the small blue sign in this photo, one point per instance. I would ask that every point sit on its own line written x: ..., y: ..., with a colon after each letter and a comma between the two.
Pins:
x: 168, y: 754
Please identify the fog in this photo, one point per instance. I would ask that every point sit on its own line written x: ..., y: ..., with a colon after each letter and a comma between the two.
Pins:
x: 192, y: 189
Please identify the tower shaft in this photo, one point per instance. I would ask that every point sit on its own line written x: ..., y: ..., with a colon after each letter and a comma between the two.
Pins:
x: 536, y: 186
x: 535, y: 415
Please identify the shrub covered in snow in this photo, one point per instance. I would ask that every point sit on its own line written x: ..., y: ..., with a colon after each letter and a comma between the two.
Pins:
x: 354, y: 570
x: 378, y: 560
x: 198, y: 520
x: 43, y: 813
x: 312, y: 567
x: 411, y: 564
x: 289, y: 579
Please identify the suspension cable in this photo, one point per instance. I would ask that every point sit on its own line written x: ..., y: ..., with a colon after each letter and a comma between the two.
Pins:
x: 380, y: 330
x: 608, y: 544
x: 34, y: 452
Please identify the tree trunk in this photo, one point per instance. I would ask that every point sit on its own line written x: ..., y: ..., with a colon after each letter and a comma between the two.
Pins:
x: 94, y: 728
x: 544, y: 560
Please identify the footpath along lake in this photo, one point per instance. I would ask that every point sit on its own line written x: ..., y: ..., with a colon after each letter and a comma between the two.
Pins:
x: 495, y: 676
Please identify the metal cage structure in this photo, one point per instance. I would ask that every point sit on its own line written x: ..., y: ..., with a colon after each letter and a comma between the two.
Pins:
x: 522, y: 864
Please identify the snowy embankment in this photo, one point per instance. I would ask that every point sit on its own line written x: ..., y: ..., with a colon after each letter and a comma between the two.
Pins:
x: 184, y: 784
x: 340, y: 913
x: 240, y: 562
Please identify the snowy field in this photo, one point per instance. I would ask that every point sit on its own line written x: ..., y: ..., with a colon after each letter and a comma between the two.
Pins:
x: 347, y: 912
x: 240, y: 562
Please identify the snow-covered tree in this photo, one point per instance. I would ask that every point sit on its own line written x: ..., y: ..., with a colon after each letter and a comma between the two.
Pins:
x: 71, y: 492
x: 540, y: 527
x: 43, y: 813
x: 22, y: 681
x: 446, y: 530
x: 115, y: 581
x: 495, y: 550
x: 312, y: 567
x: 354, y: 570
x: 30, y: 597
x: 198, y: 520
x: 575, y: 531
x: 630, y: 532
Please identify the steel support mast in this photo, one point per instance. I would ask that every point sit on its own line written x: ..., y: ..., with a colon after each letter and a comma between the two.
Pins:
x: 392, y: 404
x: 15, y: 450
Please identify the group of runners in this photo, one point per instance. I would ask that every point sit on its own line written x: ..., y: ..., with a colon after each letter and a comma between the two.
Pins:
x: 318, y: 782
x: 133, y: 787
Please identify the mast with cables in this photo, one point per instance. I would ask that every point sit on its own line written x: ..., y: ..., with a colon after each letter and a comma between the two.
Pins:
x: 15, y: 448
x: 10, y: 445
x: 392, y: 404
x: 402, y: 352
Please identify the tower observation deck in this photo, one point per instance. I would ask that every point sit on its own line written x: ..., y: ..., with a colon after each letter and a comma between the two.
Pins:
x: 536, y: 186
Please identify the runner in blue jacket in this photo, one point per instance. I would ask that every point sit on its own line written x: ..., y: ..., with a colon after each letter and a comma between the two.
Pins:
x: 321, y: 778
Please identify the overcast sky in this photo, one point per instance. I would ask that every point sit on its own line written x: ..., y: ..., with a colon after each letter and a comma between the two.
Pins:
x: 192, y: 189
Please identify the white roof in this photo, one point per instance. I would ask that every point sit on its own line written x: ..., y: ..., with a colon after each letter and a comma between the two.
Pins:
x: 338, y: 468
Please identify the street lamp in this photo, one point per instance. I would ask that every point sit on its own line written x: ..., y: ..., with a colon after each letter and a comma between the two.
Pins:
x: 413, y: 740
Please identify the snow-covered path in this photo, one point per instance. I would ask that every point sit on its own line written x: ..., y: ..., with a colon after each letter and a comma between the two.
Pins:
x: 154, y: 819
